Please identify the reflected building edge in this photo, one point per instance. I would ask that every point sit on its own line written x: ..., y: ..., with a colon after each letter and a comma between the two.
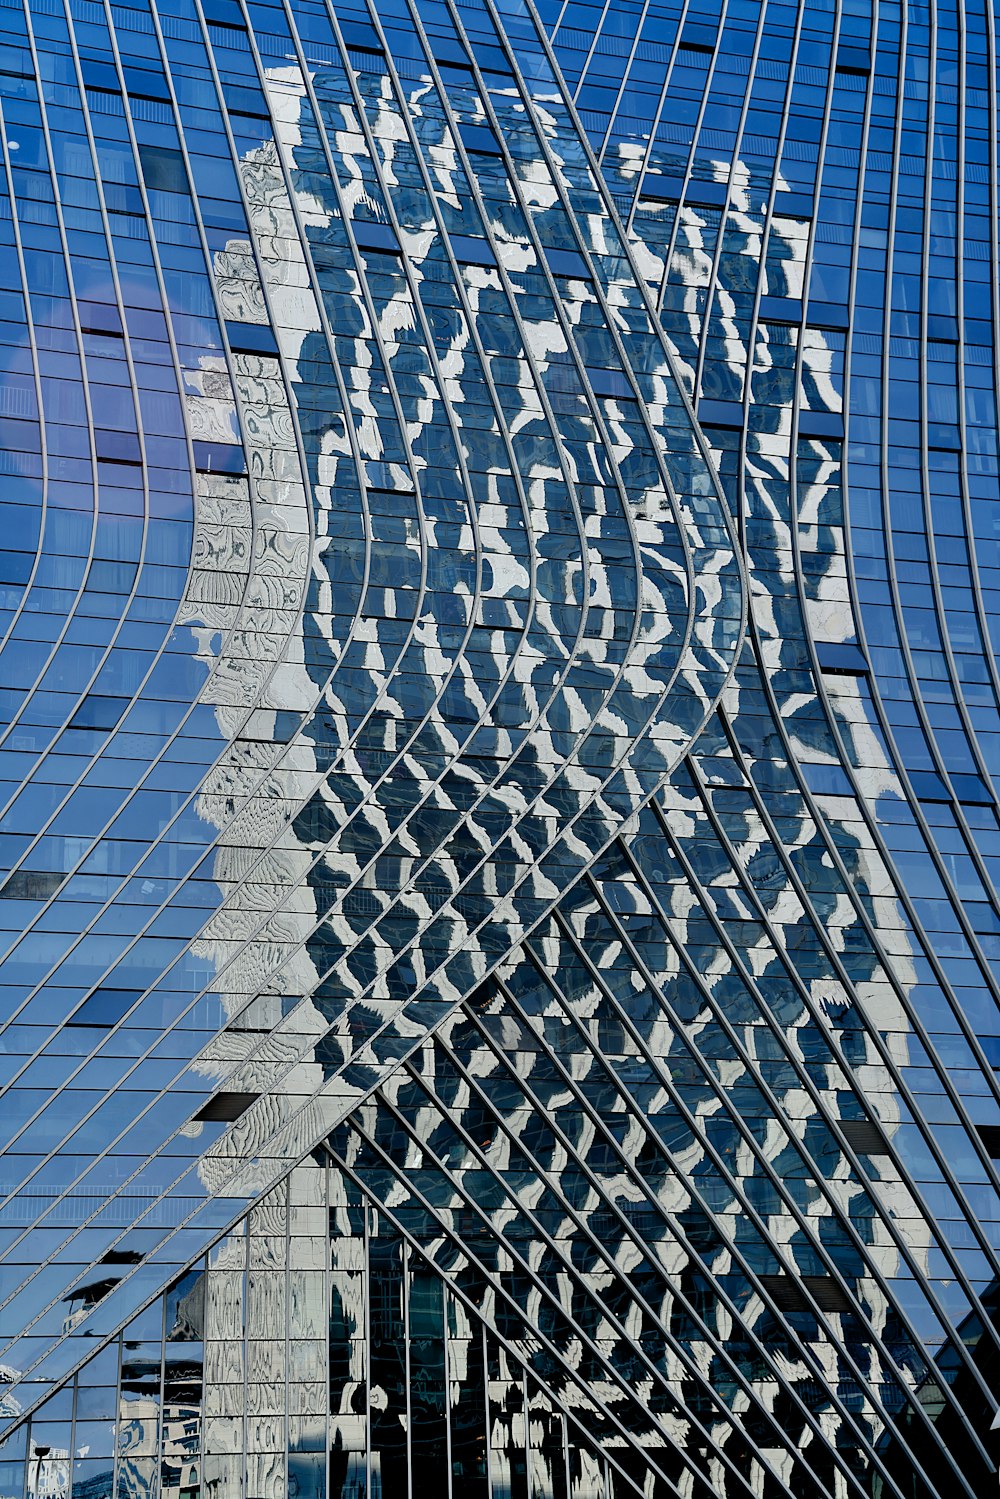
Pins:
x: 499, y: 979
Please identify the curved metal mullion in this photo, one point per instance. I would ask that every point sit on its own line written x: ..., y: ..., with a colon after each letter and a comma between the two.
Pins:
x: 229, y: 365
x: 869, y: 1447
x: 802, y: 989
x: 440, y: 378
x: 349, y: 428
x: 694, y: 1373
x: 992, y: 1174
x: 657, y: 114
x: 321, y: 855
x: 565, y: 326
x: 542, y: 268
x: 979, y: 604
x: 189, y: 1167
x: 132, y: 1123
x: 29, y: 323
x: 449, y: 1234
x: 140, y: 433
x: 858, y: 618
x: 640, y: 21
x: 844, y: 978
x: 673, y: 47
x: 791, y: 1207
x: 610, y: 1205
x: 955, y: 681
x: 564, y: 5
x: 322, y: 134
x: 246, y: 877
x: 661, y: 1074
x: 74, y: 318
x: 754, y: 323
x: 988, y: 979
x: 834, y: 853
x: 713, y: 283
x: 545, y: 1292
x: 568, y: 1268
x: 887, y: 966
x: 156, y: 912
x: 528, y: 356
x: 804, y: 1081
x: 157, y: 759
x: 587, y: 256
x: 607, y: 4
x: 473, y: 187
x: 208, y: 260
x: 122, y: 1186
x: 470, y: 176
x: 755, y: 314
x: 456, y: 430
x: 631, y: 1171
x: 884, y: 726
x: 989, y: 15
x: 44, y: 907
x: 376, y: 338
x: 682, y: 538
x: 987, y: 653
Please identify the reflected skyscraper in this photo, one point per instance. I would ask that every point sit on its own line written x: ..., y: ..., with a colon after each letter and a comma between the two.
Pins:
x: 500, y: 750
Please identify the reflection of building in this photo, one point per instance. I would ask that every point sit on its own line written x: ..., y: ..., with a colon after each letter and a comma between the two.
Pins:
x: 84, y: 1297
x: 97, y: 1487
x: 48, y: 1473
x: 498, y: 746
x: 979, y: 1423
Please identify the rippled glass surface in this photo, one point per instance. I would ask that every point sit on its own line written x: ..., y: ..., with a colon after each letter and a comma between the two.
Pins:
x: 499, y: 710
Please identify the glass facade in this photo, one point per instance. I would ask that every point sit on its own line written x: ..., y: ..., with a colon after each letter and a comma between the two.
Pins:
x: 500, y: 750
